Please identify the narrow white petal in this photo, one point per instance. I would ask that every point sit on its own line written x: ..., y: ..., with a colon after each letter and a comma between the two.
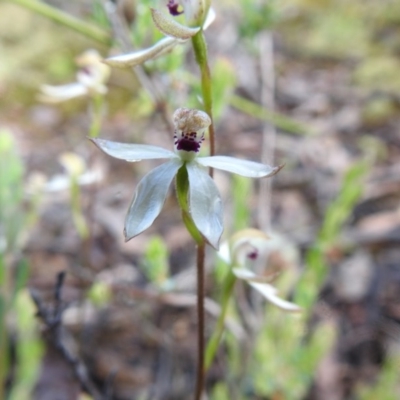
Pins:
x: 132, y: 152
x: 149, y: 198
x: 238, y: 166
x: 224, y: 252
x: 244, y: 273
x: 210, y: 18
x: 141, y: 56
x: 170, y: 27
x: 248, y: 275
x: 56, y: 94
x: 269, y: 292
x: 205, y: 204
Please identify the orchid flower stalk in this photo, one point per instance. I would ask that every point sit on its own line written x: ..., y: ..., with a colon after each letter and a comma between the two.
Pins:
x: 197, y: 193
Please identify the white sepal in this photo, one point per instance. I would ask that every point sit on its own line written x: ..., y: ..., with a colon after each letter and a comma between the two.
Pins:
x: 205, y: 204
x: 238, y: 166
x: 141, y: 56
x: 133, y: 152
x: 270, y: 293
x: 56, y: 94
x: 149, y: 198
x: 250, y: 276
x: 210, y: 18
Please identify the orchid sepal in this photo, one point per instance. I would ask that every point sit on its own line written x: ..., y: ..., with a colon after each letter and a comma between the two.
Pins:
x: 133, y: 152
x: 149, y: 198
x: 238, y: 166
x: 58, y: 94
x: 205, y: 204
x: 139, y: 57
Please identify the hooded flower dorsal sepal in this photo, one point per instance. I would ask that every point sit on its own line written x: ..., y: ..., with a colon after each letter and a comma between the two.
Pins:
x: 204, y: 201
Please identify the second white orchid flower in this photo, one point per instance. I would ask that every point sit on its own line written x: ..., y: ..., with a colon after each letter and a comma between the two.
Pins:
x: 243, y: 251
x: 90, y: 80
x: 205, y: 205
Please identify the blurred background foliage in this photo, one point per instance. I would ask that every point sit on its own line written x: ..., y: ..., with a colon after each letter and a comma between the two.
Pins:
x: 361, y: 36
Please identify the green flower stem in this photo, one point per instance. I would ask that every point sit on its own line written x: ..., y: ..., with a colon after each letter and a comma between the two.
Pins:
x: 213, y: 343
x: 200, y: 51
x: 76, y: 24
x: 182, y: 188
x: 4, y: 345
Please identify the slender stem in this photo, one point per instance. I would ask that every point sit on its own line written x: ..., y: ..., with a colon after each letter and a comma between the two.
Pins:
x: 200, y: 321
x: 76, y: 24
x: 200, y: 50
x: 96, y: 113
x: 215, y: 339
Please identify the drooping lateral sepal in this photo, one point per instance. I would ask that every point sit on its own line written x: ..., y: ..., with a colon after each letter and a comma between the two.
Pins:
x: 205, y: 204
x: 149, y: 198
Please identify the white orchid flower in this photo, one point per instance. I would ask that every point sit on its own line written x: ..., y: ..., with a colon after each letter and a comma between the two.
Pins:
x: 176, y: 33
x: 242, y: 252
x: 90, y: 80
x: 203, y: 196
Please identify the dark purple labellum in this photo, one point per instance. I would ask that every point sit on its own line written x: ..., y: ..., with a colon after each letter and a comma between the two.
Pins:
x: 173, y: 8
x: 253, y: 255
x: 188, y: 142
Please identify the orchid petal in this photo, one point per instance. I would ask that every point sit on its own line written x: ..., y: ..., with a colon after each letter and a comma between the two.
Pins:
x: 132, y: 152
x: 269, y: 292
x: 205, y: 204
x: 250, y: 276
x: 172, y: 28
x: 238, y: 166
x: 55, y: 94
x: 139, y: 57
x: 210, y: 18
x: 149, y: 198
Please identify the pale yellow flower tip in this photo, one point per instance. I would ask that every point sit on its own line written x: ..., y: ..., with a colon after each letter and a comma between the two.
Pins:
x: 73, y: 163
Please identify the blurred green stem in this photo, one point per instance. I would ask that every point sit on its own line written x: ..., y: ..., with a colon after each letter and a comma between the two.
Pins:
x: 87, y: 29
x: 200, y: 51
x: 201, y: 252
x: 96, y: 108
x: 4, y: 285
x: 215, y: 339
x: 277, y: 119
x: 77, y: 213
